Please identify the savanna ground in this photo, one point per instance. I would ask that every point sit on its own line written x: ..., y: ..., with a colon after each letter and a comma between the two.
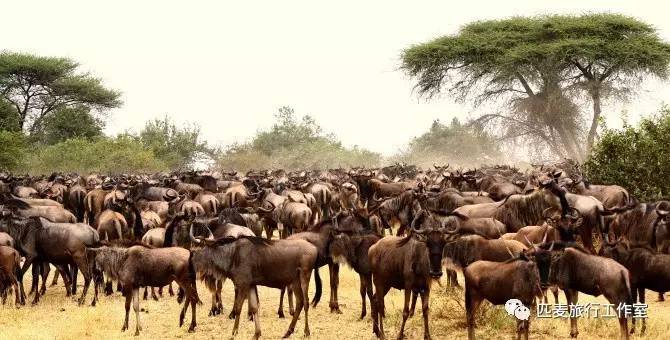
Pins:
x: 58, y: 317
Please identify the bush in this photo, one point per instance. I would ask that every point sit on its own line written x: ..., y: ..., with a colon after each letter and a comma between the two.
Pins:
x: 291, y: 144
x: 12, y: 149
x: 635, y: 158
x: 122, y: 154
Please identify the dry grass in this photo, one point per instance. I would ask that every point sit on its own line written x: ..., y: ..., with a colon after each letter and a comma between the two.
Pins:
x: 57, y: 317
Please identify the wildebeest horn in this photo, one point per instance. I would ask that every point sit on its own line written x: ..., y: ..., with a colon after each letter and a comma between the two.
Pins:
x: 662, y: 213
x: 508, y: 250
x: 551, y: 247
x: 544, y: 238
x: 267, y: 210
x: 192, y: 237
x: 529, y: 243
x: 374, y: 197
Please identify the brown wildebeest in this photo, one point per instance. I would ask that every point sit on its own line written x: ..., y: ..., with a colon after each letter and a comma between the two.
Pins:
x: 408, y: 263
x: 498, y: 282
x: 139, y: 266
x: 208, y: 202
x: 612, y: 196
x: 353, y: 250
x: 254, y: 261
x: 51, y: 213
x: 401, y: 208
x: 460, y: 224
x: 74, y: 201
x: 574, y: 270
x: 648, y: 270
x: 450, y: 199
x: 111, y: 225
x: 518, y: 211
x: 10, y: 265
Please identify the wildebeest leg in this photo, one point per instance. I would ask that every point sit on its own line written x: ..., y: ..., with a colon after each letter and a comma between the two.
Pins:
x: 146, y: 292
x: 661, y: 296
x: 472, y: 302
x: 74, y: 271
x: 62, y: 270
x: 299, y: 302
x: 95, y: 293
x: 280, y: 311
x: 27, y: 263
x: 378, y: 309
x: 36, y: 270
x: 182, y: 314
x: 644, y: 320
x: 334, y: 269
x: 554, y: 290
x: 129, y: 296
x: 109, y: 289
x: 413, y: 307
x: 232, y: 311
x: 55, y: 280
x: 17, y: 293
x: 219, y: 302
x: 240, y: 293
x: 452, y: 278
x: 136, y: 308
x: 153, y: 294
x: 190, y: 294
x: 368, y: 289
x: 363, y: 291
x: 304, y: 288
x: 253, y: 309
x: 425, y: 310
x: 170, y: 291
x: 405, y: 312
x: 571, y: 296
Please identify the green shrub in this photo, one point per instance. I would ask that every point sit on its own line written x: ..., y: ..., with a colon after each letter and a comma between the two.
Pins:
x: 122, y: 154
x: 12, y: 149
x: 635, y: 158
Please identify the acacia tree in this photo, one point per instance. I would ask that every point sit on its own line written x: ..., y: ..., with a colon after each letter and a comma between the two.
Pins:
x: 36, y: 87
x: 539, y: 68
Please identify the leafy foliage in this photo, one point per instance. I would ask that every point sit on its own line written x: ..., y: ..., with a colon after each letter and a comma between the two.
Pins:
x: 176, y: 147
x: 38, y: 86
x: 540, y: 68
x: 454, y: 143
x: 67, y: 123
x: 12, y: 147
x: 295, y: 144
x: 123, y: 154
x: 635, y: 158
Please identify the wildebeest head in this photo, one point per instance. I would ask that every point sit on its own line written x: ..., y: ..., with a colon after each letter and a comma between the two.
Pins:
x: 567, y: 225
x: 552, y: 190
x: 543, y: 260
x: 617, y: 250
x: 428, y: 229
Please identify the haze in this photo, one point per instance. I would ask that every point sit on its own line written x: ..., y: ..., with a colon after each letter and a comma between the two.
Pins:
x: 228, y: 66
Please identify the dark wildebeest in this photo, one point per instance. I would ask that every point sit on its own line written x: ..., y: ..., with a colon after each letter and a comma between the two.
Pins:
x: 648, y: 270
x: 253, y: 261
x: 450, y: 199
x: 407, y: 263
x: 401, y: 208
x: 518, y: 211
x: 41, y: 241
x: 574, y: 270
x: 10, y: 265
x: 353, y: 250
x: 141, y: 265
x: 498, y: 282
x: 52, y: 213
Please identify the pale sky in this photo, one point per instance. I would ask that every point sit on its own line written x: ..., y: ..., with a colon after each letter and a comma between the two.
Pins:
x: 228, y: 66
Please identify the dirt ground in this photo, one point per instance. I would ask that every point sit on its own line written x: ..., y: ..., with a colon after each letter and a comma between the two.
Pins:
x: 58, y: 317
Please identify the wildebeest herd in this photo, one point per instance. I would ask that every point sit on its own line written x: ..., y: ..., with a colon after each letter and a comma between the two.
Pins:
x: 514, y: 235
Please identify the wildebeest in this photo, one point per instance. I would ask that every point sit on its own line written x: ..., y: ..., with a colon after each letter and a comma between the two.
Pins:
x: 52, y: 213
x: 10, y: 265
x: 253, y: 261
x: 498, y: 282
x: 139, y: 266
x: 648, y: 270
x: 401, y: 208
x: 408, y: 263
x: 518, y: 211
x: 574, y: 270
x: 353, y: 250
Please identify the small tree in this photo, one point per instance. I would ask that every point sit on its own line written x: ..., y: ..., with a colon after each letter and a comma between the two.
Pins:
x: 177, y: 147
x: 39, y: 86
x: 12, y: 149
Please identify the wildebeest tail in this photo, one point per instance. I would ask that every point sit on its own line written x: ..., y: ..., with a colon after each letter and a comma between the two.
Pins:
x: 319, y: 286
x: 192, y: 275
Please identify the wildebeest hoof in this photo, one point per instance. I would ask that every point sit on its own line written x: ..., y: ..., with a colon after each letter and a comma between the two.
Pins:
x: 573, y: 334
x: 137, y: 333
x: 281, y: 314
x: 93, y: 303
x: 154, y: 297
x: 191, y: 330
x: 231, y: 316
x: 288, y: 334
x: 335, y: 310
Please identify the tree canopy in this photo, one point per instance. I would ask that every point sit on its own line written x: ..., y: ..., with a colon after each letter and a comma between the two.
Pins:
x: 67, y: 123
x: 37, y: 86
x: 540, y: 69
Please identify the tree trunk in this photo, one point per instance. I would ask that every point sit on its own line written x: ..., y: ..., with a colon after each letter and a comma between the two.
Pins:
x: 595, y: 95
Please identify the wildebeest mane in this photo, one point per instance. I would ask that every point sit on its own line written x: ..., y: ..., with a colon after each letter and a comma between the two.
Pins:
x: 259, y: 241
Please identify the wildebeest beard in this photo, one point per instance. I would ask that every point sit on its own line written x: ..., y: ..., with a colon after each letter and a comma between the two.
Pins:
x: 112, y: 260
